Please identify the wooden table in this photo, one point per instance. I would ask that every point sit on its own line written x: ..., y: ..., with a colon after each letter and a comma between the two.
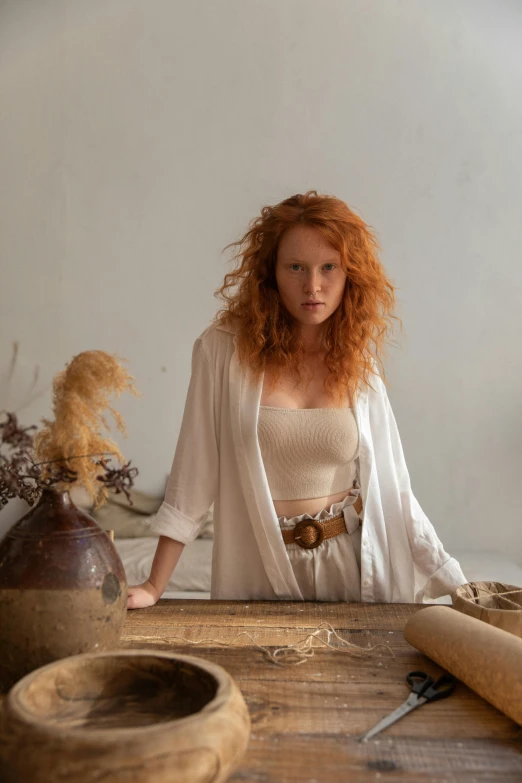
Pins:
x: 305, y: 719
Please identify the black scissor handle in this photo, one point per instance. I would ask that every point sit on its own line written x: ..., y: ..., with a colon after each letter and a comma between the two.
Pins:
x: 431, y: 690
x: 441, y: 688
x: 419, y: 682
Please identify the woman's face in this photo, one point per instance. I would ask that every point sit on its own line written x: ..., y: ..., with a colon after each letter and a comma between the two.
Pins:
x: 309, y: 275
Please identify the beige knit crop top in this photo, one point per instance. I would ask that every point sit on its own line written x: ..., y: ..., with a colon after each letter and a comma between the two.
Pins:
x: 308, y: 452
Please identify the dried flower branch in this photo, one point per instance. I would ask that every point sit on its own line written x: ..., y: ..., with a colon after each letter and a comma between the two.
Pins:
x: 80, y: 399
x: 15, y: 436
x: 16, y: 471
x: 119, y: 479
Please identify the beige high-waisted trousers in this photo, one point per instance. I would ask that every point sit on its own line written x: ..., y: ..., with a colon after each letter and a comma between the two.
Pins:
x: 331, y: 571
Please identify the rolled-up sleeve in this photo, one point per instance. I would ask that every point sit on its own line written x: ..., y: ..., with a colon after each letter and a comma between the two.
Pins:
x: 193, y: 481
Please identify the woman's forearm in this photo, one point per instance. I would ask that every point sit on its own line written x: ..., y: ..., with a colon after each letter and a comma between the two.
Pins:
x: 167, y: 555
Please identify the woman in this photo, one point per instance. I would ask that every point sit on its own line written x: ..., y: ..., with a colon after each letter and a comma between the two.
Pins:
x: 288, y: 429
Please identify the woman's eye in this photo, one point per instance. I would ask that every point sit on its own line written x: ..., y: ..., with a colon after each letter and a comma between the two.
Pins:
x: 329, y: 267
x: 295, y: 267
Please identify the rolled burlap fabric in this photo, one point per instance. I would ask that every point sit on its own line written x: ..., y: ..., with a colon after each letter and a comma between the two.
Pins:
x: 487, y: 659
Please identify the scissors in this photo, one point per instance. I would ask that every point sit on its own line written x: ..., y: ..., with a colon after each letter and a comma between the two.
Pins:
x: 423, y: 689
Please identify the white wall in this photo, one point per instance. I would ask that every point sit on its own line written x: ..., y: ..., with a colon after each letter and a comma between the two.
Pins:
x: 138, y: 138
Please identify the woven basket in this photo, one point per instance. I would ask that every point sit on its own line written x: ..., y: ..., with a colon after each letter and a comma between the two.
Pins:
x: 492, y: 602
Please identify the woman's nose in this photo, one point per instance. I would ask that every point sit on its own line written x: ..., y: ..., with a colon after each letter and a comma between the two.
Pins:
x: 312, y: 284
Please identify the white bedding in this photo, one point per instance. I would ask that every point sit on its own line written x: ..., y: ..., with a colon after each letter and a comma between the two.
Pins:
x: 191, y: 577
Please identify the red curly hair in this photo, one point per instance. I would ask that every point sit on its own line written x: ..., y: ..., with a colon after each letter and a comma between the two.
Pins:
x: 354, y: 335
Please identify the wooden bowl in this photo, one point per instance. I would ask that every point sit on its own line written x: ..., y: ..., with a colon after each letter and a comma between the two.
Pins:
x: 128, y: 716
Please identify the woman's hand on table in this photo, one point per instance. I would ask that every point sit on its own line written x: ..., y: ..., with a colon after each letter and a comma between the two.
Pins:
x: 141, y: 596
x: 167, y: 555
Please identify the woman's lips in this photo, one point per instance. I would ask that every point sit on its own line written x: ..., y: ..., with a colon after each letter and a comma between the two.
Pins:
x: 312, y: 305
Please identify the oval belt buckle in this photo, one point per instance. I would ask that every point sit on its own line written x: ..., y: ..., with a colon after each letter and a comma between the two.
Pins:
x: 309, y: 523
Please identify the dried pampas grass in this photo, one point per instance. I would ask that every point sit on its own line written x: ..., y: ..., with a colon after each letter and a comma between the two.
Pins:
x: 75, y: 440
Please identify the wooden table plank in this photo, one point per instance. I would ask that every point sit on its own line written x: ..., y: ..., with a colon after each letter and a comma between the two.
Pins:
x: 292, y: 614
x: 351, y: 699
x: 306, y: 718
x: 361, y: 642
x: 316, y: 758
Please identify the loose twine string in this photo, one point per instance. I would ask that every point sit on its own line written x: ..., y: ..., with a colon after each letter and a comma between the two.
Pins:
x: 489, y: 593
x: 298, y: 653
x: 304, y: 649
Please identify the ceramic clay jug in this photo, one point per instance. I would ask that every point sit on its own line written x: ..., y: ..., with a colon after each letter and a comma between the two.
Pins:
x: 62, y: 588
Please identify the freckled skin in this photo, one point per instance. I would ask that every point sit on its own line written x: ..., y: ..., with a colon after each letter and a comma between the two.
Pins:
x: 309, y: 268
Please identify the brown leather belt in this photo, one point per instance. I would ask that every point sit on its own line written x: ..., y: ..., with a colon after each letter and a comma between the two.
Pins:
x: 310, y: 533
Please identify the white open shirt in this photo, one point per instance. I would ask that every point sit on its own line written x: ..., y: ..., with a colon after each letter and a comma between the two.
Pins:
x: 218, y: 460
